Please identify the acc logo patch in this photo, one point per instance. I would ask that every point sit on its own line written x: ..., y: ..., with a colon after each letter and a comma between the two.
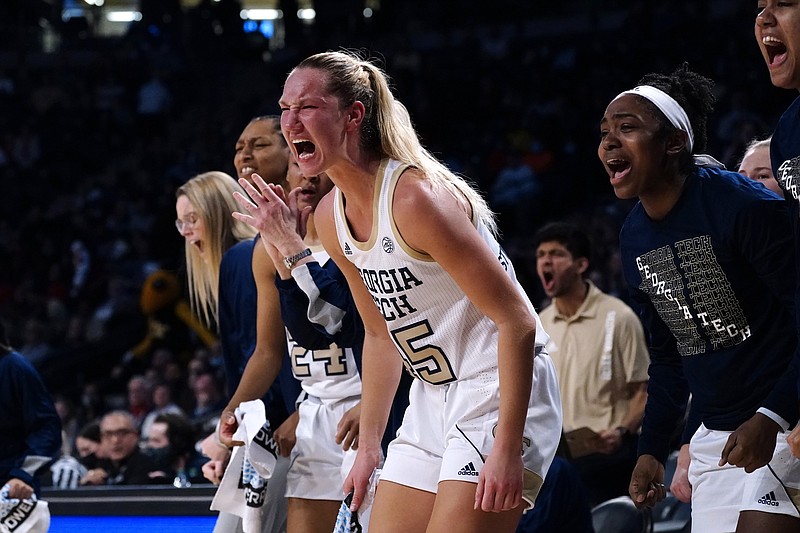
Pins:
x: 388, y: 245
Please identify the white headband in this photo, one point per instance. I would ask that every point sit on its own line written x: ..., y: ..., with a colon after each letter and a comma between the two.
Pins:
x: 667, y: 105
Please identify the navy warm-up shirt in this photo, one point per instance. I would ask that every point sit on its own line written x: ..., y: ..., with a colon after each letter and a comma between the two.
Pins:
x: 30, y: 429
x: 238, y: 304
x: 714, y: 286
x: 785, y: 158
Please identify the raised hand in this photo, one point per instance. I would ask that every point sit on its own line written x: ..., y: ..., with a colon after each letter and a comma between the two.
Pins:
x: 273, y: 213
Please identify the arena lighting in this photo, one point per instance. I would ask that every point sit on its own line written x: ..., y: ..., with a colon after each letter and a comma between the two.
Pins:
x: 123, y: 16
x: 306, y: 14
x: 261, y: 14
x: 71, y: 13
x: 95, y: 2
x: 265, y: 27
x: 367, y: 12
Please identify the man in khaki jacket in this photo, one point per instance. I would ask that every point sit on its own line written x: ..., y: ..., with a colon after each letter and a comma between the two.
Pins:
x: 598, y: 347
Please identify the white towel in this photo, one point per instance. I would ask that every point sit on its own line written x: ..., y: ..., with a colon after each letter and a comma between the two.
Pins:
x: 242, y: 490
x: 30, y: 515
x: 261, y: 450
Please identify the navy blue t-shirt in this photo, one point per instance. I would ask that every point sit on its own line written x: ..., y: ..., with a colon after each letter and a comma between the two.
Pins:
x: 785, y: 159
x: 30, y: 428
x: 714, y: 288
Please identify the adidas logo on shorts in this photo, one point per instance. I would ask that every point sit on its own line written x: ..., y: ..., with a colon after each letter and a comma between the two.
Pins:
x: 468, y: 470
x: 769, y: 499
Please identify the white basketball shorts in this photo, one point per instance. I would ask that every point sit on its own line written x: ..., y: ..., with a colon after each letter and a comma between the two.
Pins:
x: 448, y: 431
x: 319, y: 465
x: 719, y: 494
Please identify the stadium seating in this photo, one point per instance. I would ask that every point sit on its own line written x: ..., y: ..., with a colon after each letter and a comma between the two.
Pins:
x: 620, y: 515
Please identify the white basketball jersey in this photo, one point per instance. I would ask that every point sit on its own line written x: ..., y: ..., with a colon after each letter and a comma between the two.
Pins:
x: 329, y: 374
x: 440, y: 334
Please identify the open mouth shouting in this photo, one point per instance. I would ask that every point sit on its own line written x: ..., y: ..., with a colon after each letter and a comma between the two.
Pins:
x: 548, y: 280
x: 775, y: 49
x: 305, y: 149
x: 246, y: 172
x: 308, y: 195
x: 618, y: 169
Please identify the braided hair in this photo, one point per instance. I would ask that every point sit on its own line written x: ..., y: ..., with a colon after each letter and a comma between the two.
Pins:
x: 694, y: 92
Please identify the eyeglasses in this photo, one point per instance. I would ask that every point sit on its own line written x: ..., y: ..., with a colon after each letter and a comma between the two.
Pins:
x: 189, y: 223
x: 118, y: 433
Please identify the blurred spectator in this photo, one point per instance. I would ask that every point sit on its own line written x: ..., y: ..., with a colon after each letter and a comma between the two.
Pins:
x: 174, y: 376
x: 93, y: 404
x: 82, y: 265
x: 737, y: 126
x: 161, y: 358
x: 73, y: 464
x: 162, y: 404
x: 756, y: 165
x: 171, y: 443
x: 513, y: 192
x: 122, y: 463
x: 36, y: 347
x: 153, y: 101
x: 68, y: 471
x: 117, y: 309
x: 87, y: 443
x: 69, y: 422
x: 208, y: 403
x: 140, y: 399
x: 198, y: 365
x: 158, y: 368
